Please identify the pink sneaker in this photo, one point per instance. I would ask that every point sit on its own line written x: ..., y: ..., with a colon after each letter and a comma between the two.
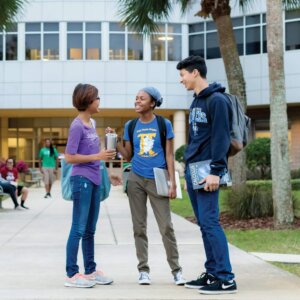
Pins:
x: 79, y: 280
x: 99, y: 277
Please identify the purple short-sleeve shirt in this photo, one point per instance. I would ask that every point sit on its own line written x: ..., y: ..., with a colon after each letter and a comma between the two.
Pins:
x: 84, y: 140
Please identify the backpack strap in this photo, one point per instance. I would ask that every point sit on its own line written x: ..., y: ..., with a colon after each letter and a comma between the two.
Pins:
x: 131, y: 127
x: 162, y: 132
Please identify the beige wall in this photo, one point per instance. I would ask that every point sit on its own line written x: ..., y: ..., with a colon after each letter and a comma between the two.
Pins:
x: 295, y: 144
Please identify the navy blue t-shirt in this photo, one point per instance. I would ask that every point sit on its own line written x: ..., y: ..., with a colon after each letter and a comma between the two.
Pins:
x: 148, y: 151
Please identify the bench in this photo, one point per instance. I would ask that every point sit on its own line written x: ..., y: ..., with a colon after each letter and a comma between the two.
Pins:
x: 33, y: 176
x: 3, y: 196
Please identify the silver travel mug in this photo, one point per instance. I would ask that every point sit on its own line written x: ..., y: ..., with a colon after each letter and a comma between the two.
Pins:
x: 111, y: 141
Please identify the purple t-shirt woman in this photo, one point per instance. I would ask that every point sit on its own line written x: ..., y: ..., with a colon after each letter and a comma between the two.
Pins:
x: 84, y: 140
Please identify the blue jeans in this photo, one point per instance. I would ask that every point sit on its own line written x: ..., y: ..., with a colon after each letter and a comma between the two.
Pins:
x: 86, y: 207
x: 206, y: 209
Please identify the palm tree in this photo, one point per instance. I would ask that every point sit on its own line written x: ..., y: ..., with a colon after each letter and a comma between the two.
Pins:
x: 142, y: 15
x: 280, y: 167
x: 8, y: 10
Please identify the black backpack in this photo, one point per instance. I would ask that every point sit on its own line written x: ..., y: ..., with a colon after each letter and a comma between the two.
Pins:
x: 162, y: 131
x: 239, y: 135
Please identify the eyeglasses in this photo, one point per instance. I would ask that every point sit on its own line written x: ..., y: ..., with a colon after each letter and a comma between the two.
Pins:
x: 10, y: 162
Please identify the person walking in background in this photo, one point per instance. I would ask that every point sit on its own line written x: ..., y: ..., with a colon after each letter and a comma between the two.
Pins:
x: 83, y: 151
x: 148, y: 145
x: 10, y: 173
x: 48, y: 162
x: 209, y: 138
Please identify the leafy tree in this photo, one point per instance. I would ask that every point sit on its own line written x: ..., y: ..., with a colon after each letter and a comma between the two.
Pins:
x: 259, y: 155
x: 179, y: 153
x: 8, y: 11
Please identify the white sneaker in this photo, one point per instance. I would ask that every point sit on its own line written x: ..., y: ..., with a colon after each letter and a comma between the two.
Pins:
x: 144, y: 278
x: 178, y: 279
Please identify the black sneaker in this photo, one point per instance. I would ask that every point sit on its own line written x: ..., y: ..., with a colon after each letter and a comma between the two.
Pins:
x: 203, y: 280
x: 219, y: 287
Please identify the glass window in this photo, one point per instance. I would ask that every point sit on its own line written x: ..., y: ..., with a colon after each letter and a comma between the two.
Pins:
x: 42, y: 41
x: 11, y: 49
x: 29, y: 27
x: 292, y: 37
x: 93, y: 46
x: 74, y: 26
x: 210, y: 25
x: 1, y: 46
x: 75, y: 46
x: 116, y: 27
x: 167, y: 44
x: 93, y: 26
x: 33, y: 46
x: 199, y: 27
x: 12, y: 27
x: 252, y: 40
x: 51, y: 46
x: 116, y: 46
x: 124, y: 43
x: 253, y: 20
x: 236, y: 22
x: 135, y: 47
x: 196, y: 43
x: 174, y: 28
x: 84, y: 41
x: 174, y: 48
x: 239, y: 38
x: 158, y: 47
x: 212, y: 45
x: 264, y: 39
x: 51, y: 26
x: 292, y: 14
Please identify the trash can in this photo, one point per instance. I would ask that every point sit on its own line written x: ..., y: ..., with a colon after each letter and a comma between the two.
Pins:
x: 126, y: 170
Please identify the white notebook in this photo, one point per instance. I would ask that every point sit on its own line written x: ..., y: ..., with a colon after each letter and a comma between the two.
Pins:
x: 162, y: 182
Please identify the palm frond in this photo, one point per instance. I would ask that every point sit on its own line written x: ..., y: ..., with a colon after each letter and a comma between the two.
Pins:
x: 246, y: 5
x: 184, y: 5
x: 143, y: 16
x: 8, y: 11
x: 291, y: 4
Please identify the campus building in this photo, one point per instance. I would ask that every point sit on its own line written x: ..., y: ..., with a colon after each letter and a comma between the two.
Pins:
x: 56, y: 44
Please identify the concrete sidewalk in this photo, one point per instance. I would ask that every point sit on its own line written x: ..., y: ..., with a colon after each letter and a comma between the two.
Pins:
x: 32, y: 256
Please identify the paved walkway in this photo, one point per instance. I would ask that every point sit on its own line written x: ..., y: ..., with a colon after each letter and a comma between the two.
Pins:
x: 276, y: 257
x: 32, y: 256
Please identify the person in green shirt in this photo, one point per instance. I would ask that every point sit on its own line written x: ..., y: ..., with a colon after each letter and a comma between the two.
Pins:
x: 48, y: 160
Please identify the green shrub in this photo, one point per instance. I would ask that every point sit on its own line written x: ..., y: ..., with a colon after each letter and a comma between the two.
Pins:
x: 295, y: 174
x: 259, y: 156
x: 179, y: 153
x: 251, y: 201
x: 295, y: 184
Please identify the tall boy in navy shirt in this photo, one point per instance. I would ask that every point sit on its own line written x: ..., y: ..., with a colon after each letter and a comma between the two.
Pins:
x: 209, y: 138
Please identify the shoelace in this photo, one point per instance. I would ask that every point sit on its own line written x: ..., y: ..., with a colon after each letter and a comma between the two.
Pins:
x: 144, y: 276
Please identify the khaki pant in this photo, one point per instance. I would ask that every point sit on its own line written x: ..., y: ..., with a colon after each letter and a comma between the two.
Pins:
x: 138, y: 190
x: 48, y: 175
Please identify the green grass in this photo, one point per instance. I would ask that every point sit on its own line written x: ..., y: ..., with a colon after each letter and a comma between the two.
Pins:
x: 292, y: 268
x: 257, y: 240
x: 266, y: 240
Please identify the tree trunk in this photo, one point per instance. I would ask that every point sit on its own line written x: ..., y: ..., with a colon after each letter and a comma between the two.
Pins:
x: 236, y: 83
x: 281, y: 178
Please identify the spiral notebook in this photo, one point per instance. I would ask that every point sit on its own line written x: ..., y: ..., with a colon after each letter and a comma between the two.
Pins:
x: 162, y: 182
